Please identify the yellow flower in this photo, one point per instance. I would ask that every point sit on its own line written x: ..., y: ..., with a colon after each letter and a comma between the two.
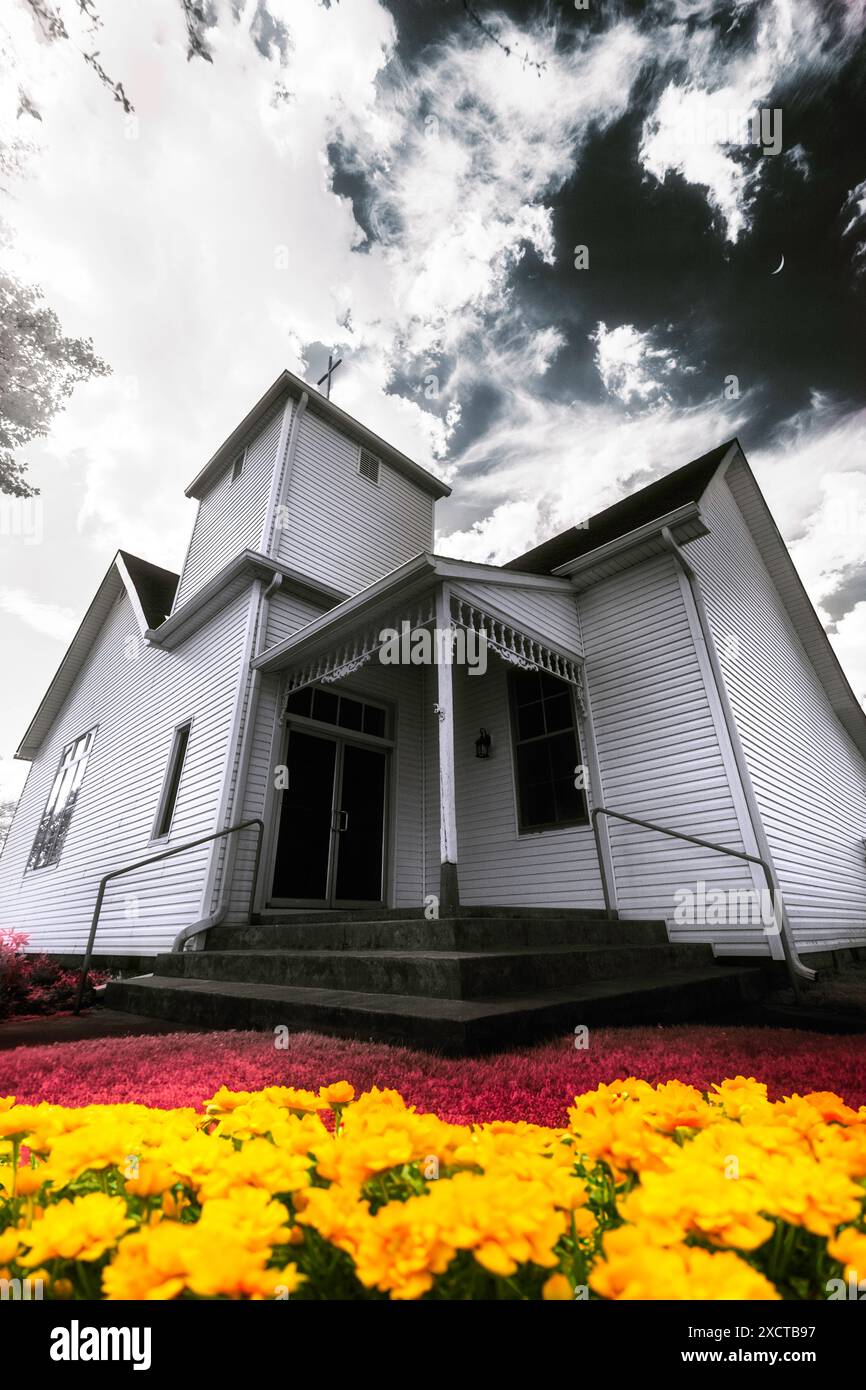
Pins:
x: 154, y: 1177
x: 557, y: 1289
x: 849, y: 1248
x: 633, y: 1268
x: 338, y: 1093
x: 81, y: 1229
x: 695, y: 1199
x: 9, y: 1242
x: 258, y: 1164
x: 207, y: 1259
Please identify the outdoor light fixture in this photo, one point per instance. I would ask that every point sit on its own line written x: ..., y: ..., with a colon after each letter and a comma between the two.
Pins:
x: 482, y: 744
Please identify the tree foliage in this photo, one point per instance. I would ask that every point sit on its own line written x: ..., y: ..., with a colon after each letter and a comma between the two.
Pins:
x: 39, y: 366
x: 7, y: 810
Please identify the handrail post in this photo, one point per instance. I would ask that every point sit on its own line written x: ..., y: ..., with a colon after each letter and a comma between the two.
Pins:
x: 260, y: 830
x: 153, y: 859
x: 602, y: 867
x: 793, y: 973
x: 89, y: 951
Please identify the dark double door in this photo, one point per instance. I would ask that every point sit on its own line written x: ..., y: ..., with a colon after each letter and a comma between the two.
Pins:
x: 331, y: 837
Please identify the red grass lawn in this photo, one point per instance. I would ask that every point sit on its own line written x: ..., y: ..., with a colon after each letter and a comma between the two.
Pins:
x: 533, y: 1083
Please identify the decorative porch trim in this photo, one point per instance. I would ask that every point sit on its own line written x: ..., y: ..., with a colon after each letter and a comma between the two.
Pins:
x: 514, y: 647
x: 352, y: 653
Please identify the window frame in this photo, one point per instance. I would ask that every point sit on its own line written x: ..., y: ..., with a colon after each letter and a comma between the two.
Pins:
x: 515, y: 742
x: 314, y: 724
x: 239, y: 458
x: 157, y: 833
x: 56, y: 783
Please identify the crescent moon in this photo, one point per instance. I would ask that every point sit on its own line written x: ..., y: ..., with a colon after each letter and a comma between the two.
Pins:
x: 779, y: 266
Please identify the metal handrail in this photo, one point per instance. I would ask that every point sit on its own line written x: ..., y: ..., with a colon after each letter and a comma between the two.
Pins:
x: 153, y: 859
x: 705, y: 844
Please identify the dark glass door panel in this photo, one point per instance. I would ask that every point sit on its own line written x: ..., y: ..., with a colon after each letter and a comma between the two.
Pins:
x: 304, y: 838
x: 361, y: 844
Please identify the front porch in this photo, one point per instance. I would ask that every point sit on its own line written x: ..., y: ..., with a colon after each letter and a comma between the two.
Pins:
x: 403, y: 779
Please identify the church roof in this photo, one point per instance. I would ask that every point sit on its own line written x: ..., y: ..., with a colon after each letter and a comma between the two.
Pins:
x: 665, y: 495
x: 155, y: 587
x: 289, y: 384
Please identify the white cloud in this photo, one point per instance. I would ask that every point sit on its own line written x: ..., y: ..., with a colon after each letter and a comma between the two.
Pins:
x: 550, y: 465
x: 699, y: 128
x: 849, y: 641
x: 855, y: 207
x: 630, y: 367
x: 49, y: 619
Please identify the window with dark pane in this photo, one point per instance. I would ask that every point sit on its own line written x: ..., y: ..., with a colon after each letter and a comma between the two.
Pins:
x: 351, y: 714
x: 57, y: 816
x: 300, y: 701
x: 546, y: 751
x: 176, y: 760
x: 327, y: 707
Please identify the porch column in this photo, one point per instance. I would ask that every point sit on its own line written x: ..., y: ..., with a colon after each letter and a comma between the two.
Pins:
x: 449, y: 893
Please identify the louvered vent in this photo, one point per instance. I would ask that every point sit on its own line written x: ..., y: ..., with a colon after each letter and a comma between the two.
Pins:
x: 368, y: 466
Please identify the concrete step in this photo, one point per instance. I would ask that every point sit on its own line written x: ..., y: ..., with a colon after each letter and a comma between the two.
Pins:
x: 504, y: 973
x: 446, y: 934
x: 385, y: 914
x: 453, y: 1026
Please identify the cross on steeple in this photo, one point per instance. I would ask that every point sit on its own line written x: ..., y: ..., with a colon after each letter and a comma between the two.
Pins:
x: 332, y: 367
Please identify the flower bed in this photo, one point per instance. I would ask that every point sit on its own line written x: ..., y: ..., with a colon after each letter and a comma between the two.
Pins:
x: 32, y: 985
x: 535, y: 1083
x: 658, y: 1192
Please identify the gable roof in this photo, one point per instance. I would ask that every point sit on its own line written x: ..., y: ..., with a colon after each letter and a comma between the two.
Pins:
x: 154, y: 586
x: 683, y: 487
x: 146, y: 586
x: 804, y: 619
x: 288, y: 384
x: 665, y: 495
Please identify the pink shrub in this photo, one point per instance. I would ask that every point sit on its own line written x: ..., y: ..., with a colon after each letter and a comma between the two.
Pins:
x: 36, y: 984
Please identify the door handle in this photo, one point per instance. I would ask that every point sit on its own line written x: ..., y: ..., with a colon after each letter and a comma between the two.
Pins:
x: 342, y: 821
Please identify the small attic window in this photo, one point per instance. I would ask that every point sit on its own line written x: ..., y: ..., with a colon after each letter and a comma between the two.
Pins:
x: 368, y: 466
x: 238, y: 466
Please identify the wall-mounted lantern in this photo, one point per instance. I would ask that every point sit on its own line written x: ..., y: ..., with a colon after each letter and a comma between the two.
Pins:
x: 482, y: 744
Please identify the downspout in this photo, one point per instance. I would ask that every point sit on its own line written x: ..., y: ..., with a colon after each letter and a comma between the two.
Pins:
x: 198, y: 929
x: 796, y: 969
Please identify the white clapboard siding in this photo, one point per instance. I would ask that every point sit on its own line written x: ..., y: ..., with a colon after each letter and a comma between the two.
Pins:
x: 287, y: 613
x: 496, y: 863
x: 231, y: 515
x: 341, y: 528
x: 135, y: 695
x: 540, y: 612
x: 659, y: 751
x: 808, y: 777
x: 401, y: 688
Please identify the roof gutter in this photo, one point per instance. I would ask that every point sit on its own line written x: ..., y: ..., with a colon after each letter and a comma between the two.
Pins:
x: 796, y: 969
x: 690, y: 512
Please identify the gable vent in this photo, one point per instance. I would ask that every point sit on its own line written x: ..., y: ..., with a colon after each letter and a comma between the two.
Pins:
x: 368, y: 466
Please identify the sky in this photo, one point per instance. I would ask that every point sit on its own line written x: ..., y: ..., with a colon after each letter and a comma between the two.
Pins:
x: 555, y: 252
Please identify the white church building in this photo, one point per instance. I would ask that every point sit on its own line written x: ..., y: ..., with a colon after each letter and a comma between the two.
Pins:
x: 642, y: 728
